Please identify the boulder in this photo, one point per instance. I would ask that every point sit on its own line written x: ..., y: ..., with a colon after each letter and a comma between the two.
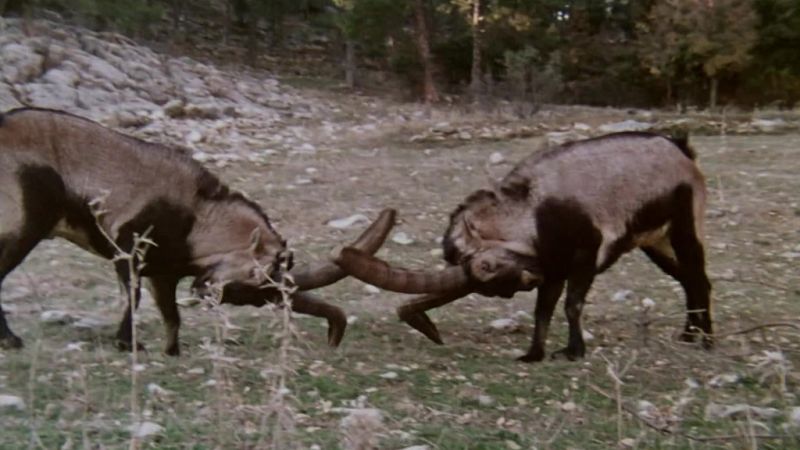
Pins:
x: 21, y: 63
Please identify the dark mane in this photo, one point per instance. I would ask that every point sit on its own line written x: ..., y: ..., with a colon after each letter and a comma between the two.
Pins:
x: 209, y: 187
x: 451, y: 252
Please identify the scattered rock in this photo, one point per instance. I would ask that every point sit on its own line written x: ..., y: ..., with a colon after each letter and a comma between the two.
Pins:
x: 485, y: 400
x: 20, y: 63
x: 723, y: 380
x: 157, y: 391
x: 625, y: 125
x: 402, y: 238
x: 348, y: 222
x: 188, y: 302
x: 75, y: 346
x: 56, y: 317
x: 507, y: 325
x: 522, y: 315
x: 194, y: 137
x: 562, y: 137
x: 794, y: 417
x: 622, y: 296
x: 496, y: 158
x: 129, y: 119
x: 581, y: 126
x: 174, y: 108
x: 389, y: 375
x: 648, y: 303
x: 716, y: 411
x: 9, y: 402
x: 768, y: 125
x: 145, y: 429
x: 201, y: 111
x: 418, y: 447
x: 587, y: 335
x: 372, y: 290
x: 568, y: 406
x: 725, y: 275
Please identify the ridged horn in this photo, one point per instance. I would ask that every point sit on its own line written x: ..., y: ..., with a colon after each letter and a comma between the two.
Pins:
x: 374, y: 271
x: 325, y: 273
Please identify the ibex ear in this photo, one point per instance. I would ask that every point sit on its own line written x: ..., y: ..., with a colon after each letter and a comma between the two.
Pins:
x: 484, y: 268
x: 255, y: 241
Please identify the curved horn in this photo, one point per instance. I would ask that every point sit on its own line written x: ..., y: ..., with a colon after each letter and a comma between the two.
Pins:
x: 372, y: 270
x: 412, y: 312
x: 306, y: 303
x: 325, y: 273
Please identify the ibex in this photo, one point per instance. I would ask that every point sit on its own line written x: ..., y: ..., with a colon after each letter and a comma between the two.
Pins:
x: 562, y: 216
x: 53, y: 165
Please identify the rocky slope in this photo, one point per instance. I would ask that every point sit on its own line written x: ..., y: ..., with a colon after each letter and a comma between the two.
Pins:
x: 227, y: 115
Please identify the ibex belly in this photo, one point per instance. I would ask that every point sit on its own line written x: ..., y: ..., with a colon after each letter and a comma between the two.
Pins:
x: 76, y: 235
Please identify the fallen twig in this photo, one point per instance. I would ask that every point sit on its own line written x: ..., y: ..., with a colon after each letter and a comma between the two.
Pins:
x: 631, y: 411
x: 761, y: 326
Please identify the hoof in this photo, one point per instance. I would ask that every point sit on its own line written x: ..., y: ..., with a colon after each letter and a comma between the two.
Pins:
x: 569, y: 354
x: 532, y: 356
x: 173, y: 350
x: 688, y: 336
x: 10, y: 341
x: 125, y: 346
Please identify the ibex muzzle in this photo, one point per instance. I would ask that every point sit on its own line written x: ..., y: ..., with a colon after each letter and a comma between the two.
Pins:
x: 561, y: 217
x: 65, y: 176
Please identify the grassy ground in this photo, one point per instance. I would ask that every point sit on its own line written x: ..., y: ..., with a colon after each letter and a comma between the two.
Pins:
x: 468, y: 394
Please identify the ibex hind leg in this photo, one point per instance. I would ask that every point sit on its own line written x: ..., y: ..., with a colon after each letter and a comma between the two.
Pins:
x: 8, y: 262
x: 12, y: 251
x: 690, y: 256
x: 42, y: 198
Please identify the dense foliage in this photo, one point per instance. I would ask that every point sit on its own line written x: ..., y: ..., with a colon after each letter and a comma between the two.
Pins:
x: 603, y: 52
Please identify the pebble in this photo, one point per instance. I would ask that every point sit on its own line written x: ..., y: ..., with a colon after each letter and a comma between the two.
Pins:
x: 794, y: 417
x: 372, y: 290
x: 506, y: 325
x: 485, y: 400
x: 11, y: 402
x: 402, y: 238
x: 348, y: 222
x: 568, y: 406
x: 497, y: 158
x: 145, y: 429
x: 56, y: 317
x: 623, y: 295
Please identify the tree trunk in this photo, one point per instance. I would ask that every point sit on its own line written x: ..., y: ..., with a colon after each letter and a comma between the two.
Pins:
x: 712, y: 101
x: 423, y: 46
x: 669, y: 91
x: 475, y: 74
x: 350, y: 63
